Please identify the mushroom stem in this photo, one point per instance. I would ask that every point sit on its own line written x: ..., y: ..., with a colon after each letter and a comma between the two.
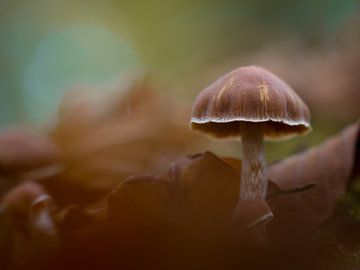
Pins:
x: 253, y: 174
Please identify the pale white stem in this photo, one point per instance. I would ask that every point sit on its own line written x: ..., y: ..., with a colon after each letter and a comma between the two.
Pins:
x: 253, y: 174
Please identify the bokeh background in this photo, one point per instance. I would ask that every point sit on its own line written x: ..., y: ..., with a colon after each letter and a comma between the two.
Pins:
x: 49, y: 47
x: 102, y: 91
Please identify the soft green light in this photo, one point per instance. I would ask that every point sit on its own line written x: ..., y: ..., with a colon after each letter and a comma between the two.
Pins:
x: 79, y: 55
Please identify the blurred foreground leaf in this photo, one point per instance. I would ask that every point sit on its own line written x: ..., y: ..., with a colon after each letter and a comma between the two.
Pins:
x: 105, y: 139
x: 183, y: 219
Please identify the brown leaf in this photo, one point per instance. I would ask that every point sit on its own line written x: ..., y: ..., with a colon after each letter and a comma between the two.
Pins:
x: 73, y: 218
x: 330, y: 166
x: 276, y: 191
x: 22, y: 150
x: 183, y: 219
x: 107, y: 139
x: 185, y: 215
x: 32, y: 240
x: 17, y: 202
x: 198, y: 189
x: 202, y: 189
x: 140, y: 201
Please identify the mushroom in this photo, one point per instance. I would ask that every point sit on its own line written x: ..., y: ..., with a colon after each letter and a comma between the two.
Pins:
x: 253, y: 104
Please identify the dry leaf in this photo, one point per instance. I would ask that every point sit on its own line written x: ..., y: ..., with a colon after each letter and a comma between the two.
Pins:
x: 32, y: 239
x: 304, y: 190
x: 174, y: 220
x: 22, y: 150
x: 198, y: 189
x: 183, y: 219
x: 110, y: 138
x: 330, y: 166
x: 177, y: 217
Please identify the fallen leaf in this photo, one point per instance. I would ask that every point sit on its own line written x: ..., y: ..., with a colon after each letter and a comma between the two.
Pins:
x: 304, y: 189
x: 32, y: 241
x: 22, y: 151
x: 198, y: 189
x: 183, y: 219
x: 108, y: 138
x: 330, y: 166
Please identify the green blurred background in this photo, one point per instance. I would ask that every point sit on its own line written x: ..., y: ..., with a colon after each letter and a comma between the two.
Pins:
x: 48, y: 47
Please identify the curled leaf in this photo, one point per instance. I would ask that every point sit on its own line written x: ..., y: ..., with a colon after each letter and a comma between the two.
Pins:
x: 330, y: 166
x: 186, y: 215
x: 276, y: 191
x: 303, y: 192
x: 40, y: 220
x: 32, y: 236
x: 198, y: 189
x: 17, y: 203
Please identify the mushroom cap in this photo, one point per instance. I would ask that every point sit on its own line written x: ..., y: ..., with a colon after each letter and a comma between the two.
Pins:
x: 250, y: 94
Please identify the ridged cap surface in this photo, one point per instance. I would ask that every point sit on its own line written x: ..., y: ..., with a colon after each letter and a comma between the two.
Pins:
x: 250, y: 94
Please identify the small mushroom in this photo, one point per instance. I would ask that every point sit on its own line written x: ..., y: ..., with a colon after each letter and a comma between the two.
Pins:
x: 253, y: 104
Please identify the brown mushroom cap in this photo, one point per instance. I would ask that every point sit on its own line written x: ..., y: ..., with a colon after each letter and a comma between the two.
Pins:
x: 250, y: 94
